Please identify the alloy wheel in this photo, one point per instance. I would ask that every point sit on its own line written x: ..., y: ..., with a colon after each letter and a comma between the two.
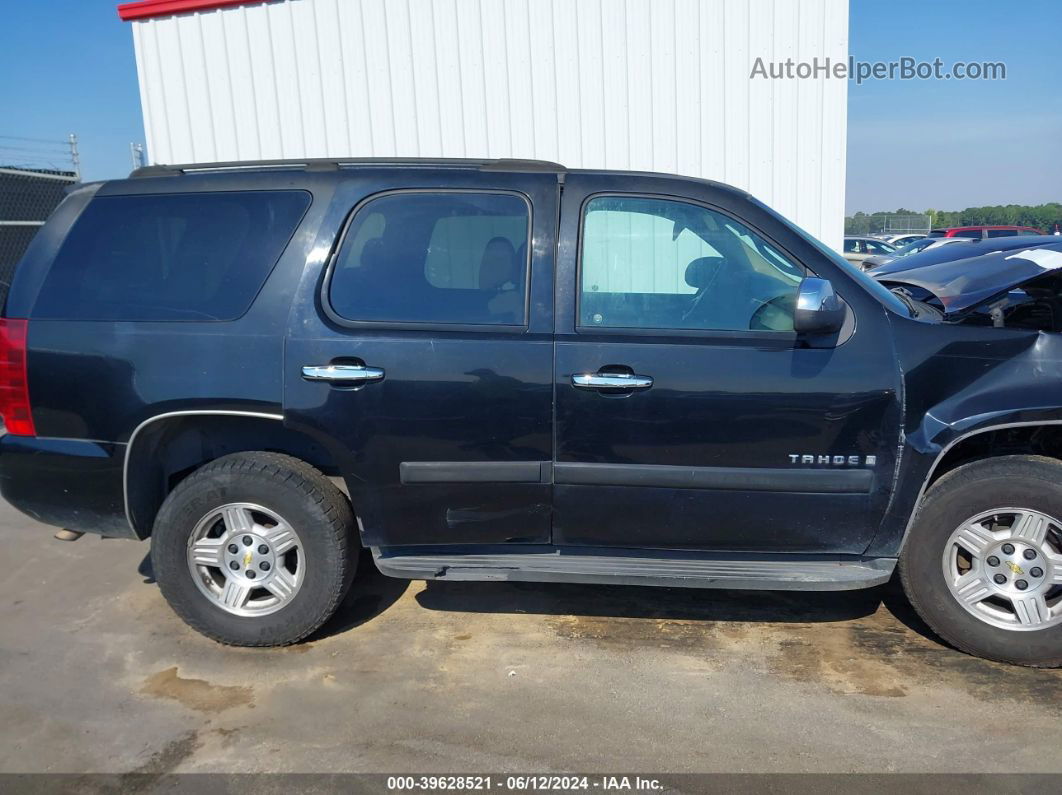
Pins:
x: 1005, y: 567
x: 246, y: 559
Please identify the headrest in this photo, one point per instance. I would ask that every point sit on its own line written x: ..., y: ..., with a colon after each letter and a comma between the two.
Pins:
x: 372, y: 254
x: 498, y: 265
x: 702, y: 271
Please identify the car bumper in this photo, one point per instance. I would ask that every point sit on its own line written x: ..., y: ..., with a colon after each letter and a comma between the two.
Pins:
x: 69, y: 483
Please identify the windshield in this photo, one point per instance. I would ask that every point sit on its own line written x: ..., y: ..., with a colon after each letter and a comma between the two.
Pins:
x: 867, y: 282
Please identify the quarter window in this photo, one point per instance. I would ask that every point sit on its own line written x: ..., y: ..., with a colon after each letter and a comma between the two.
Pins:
x: 185, y: 256
x: 453, y: 258
x: 662, y: 264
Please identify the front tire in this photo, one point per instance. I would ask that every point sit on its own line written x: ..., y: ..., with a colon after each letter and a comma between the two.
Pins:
x: 983, y: 562
x: 254, y: 549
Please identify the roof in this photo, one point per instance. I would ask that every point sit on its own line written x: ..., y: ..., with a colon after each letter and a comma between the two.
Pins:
x: 144, y: 9
x: 328, y: 164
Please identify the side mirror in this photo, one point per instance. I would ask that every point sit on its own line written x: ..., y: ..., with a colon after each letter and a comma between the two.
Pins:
x: 818, y: 308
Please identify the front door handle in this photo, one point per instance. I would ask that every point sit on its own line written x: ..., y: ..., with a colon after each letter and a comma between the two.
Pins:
x: 342, y: 374
x: 611, y: 381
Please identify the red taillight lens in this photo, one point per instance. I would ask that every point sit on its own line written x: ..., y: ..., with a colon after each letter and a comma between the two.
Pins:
x: 14, y: 388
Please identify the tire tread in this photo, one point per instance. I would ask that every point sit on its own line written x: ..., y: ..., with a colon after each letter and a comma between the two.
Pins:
x: 325, y: 496
x: 1048, y: 470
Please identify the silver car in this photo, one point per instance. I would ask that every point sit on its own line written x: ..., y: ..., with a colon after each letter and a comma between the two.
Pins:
x: 899, y: 239
x: 857, y: 248
x: 914, y: 247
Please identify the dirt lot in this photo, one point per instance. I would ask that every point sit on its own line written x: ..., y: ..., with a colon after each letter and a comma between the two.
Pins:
x: 97, y: 675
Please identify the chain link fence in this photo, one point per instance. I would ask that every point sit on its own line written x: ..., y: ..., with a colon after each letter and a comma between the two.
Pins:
x: 34, y: 176
x: 887, y: 224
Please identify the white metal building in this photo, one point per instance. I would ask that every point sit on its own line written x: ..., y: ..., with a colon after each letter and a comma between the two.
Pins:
x: 653, y: 85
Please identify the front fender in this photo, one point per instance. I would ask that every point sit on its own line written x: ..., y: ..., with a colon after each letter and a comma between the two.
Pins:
x: 960, y: 382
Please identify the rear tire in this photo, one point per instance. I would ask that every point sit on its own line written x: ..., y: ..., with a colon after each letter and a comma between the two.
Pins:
x: 254, y: 549
x: 983, y: 563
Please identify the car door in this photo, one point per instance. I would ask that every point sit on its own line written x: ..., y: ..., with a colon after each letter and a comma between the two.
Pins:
x: 420, y: 353
x: 689, y: 413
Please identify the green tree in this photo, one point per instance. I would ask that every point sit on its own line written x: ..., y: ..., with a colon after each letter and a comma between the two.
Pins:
x: 1041, y: 216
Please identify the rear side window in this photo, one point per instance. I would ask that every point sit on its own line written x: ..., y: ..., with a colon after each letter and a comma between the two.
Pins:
x: 1002, y: 232
x: 187, y: 256
x: 445, y: 258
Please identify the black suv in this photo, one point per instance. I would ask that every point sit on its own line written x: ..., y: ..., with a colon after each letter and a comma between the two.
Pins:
x: 484, y: 370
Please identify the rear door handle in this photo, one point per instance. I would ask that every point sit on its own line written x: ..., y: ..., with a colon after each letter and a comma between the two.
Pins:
x: 345, y: 374
x: 611, y: 381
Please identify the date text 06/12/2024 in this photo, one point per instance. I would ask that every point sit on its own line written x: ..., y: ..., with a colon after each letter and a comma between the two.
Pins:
x: 526, y: 783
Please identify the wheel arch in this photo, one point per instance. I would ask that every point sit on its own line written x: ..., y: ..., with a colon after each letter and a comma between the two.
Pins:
x: 165, y: 448
x: 1032, y: 437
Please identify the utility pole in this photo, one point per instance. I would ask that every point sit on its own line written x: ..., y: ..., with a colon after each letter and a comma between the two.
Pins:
x: 136, y: 155
x: 75, y: 158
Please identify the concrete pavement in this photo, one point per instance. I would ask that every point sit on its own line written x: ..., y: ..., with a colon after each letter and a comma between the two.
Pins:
x: 98, y: 675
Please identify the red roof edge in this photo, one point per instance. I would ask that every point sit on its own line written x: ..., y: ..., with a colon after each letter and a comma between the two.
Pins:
x: 145, y: 9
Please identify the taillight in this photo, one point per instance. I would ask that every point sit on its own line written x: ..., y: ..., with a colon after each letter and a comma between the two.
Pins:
x: 14, y: 387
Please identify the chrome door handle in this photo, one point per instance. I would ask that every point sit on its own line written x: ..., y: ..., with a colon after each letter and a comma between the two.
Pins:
x: 346, y: 374
x: 611, y: 381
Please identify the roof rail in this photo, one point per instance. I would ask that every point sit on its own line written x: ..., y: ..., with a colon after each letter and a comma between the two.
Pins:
x: 329, y: 164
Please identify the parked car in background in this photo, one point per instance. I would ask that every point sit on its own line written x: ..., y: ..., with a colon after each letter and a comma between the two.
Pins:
x: 914, y: 247
x: 1002, y: 230
x: 899, y: 238
x: 971, y: 249
x: 857, y: 248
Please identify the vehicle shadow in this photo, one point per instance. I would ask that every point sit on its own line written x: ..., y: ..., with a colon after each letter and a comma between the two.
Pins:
x: 633, y: 601
x: 145, y: 570
x: 895, y: 601
x: 369, y: 596
x: 373, y: 593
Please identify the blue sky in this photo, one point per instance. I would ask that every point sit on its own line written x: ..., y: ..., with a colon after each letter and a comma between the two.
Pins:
x: 954, y: 144
x: 67, y: 66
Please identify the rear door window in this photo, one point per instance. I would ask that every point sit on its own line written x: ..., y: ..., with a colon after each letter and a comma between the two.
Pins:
x: 186, y: 256
x: 1002, y: 232
x: 452, y: 257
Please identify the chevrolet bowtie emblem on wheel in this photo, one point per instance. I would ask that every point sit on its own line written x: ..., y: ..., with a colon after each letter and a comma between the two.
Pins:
x: 833, y: 460
x: 1014, y: 567
x: 248, y: 558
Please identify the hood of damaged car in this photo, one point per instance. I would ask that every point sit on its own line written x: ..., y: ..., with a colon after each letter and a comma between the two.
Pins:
x: 965, y: 284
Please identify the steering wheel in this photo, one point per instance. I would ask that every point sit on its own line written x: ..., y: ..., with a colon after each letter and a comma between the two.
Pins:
x: 775, y: 314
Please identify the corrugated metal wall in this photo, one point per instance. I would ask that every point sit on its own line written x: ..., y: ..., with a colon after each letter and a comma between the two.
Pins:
x: 624, y: 84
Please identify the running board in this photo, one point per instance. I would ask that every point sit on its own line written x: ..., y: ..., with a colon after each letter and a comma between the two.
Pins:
x: 641, y: 567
